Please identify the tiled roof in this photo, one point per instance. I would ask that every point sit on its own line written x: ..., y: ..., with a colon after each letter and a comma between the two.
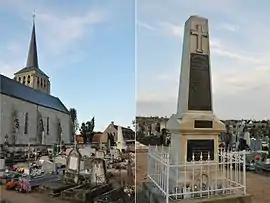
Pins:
x: 97, y: 137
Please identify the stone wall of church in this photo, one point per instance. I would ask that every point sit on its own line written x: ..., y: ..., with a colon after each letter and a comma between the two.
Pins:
x: 9, y: 104
x: 53, y: 122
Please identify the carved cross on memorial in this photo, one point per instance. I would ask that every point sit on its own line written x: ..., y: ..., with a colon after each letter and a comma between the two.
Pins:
x: 200, y: 34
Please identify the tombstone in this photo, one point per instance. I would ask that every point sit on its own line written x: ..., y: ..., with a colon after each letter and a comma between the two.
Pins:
x: 247, y: 137
x: 120, y: 142
x: 73, y: 166
x: 194, y: 128
x: 97, y: 170
x: 255, y: 144
x: 100, y: 154
x: 87, y: 151
x: 3, y: 154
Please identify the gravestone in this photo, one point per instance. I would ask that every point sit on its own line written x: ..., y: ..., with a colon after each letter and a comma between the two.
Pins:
x: 247, y: 137
x: 120, y: 142
x: 194, y: 128
x: 73, y: 166
x: 98, y: 171
x: 255, y: 144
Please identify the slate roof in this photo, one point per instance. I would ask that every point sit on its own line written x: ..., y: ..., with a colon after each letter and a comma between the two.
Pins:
x: 28, y: 69
x: 17, y: 90
x: 32, y: 59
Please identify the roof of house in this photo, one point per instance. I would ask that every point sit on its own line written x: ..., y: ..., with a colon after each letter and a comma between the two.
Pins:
x: 79, y: 139
x: 97, y: 137
x: 17, y: 90
x: 128, y: 133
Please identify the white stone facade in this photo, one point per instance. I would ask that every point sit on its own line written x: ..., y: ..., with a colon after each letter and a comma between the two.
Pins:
x: 9, y: 104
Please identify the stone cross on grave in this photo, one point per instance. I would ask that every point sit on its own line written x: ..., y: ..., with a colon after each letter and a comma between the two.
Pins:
x: 200, y: 34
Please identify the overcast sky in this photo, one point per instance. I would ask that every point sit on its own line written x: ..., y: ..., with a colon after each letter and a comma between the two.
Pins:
x: 240, y: 55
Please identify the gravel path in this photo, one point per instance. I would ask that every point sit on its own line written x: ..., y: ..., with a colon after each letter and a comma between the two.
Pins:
x: 15, y: 197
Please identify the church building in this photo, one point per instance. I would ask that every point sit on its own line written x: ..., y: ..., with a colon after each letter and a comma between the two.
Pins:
x: 29, y: 114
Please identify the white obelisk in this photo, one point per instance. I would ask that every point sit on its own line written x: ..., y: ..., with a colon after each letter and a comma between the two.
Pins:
x: 120, y: 143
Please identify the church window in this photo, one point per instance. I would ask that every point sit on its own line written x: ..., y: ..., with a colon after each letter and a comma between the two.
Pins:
x: 28, y: 79
x: 48, y: 127
x: 26, y: 124
x: 23, y: 79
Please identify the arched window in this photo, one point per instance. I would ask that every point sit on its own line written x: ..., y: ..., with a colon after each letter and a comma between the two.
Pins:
x: 20, y: 79
x: 26, y: 124
x: 41, y: 82
x: 48, y: 125
x: 23, y: 79
x: 28, y: 79
x: 38, y: 81
x: 44, y: 83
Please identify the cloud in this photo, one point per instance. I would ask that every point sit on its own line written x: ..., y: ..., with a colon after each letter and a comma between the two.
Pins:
x: 8, y: 69
x: 62, y: 31
x: 57, y: 33
x: 14, y: 48
x: 145, y: 26
x: 239, y: 61
x: 228, y: 27
x: 173, y: 29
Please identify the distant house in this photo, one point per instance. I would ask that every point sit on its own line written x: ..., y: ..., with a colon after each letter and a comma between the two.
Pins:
x: 112, y: 130
x: 79, y: 139
x: 99, y: 138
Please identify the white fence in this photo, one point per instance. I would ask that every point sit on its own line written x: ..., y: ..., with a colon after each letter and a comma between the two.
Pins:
x: 197, y: 179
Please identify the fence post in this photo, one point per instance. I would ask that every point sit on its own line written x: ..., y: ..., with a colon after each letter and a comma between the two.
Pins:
x: 167, y: 182
x: 244, y: 172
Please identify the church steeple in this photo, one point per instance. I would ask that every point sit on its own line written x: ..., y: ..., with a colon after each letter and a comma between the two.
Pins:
x: 31, y: 75
x: 32, y: 59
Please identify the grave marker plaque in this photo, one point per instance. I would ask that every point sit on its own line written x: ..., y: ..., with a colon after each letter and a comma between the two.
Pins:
x: 203, y: 124
x: 199, y: 83
x: 197, y: 147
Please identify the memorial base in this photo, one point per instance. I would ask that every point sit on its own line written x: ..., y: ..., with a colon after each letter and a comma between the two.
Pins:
x: 153, y: 195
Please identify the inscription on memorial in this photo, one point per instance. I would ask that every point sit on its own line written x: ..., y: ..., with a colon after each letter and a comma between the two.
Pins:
x: 199, y: 83
x: 198, y: 147
x: 203, y: 124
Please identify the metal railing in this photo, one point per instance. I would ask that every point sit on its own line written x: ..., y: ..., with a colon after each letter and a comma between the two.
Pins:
x: 197, y: 179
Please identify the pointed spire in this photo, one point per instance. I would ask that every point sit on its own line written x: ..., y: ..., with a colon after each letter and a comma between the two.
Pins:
x: 32, y: 60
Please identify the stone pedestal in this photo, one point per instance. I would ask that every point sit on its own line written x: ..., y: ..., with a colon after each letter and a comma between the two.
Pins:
x: 184, y: 131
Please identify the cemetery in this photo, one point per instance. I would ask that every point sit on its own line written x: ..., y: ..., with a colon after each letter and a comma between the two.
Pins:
x: 206, y: 161
x: 78, y: 173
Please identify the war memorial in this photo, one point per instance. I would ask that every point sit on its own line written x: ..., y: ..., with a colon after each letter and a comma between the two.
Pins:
x: 194, y: 168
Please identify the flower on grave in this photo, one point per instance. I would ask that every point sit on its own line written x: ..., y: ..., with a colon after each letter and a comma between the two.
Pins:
x: 257, y: 157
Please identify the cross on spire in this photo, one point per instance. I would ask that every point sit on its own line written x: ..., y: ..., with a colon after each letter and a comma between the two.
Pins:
x: 32, y: 60
x: 34, y: 15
